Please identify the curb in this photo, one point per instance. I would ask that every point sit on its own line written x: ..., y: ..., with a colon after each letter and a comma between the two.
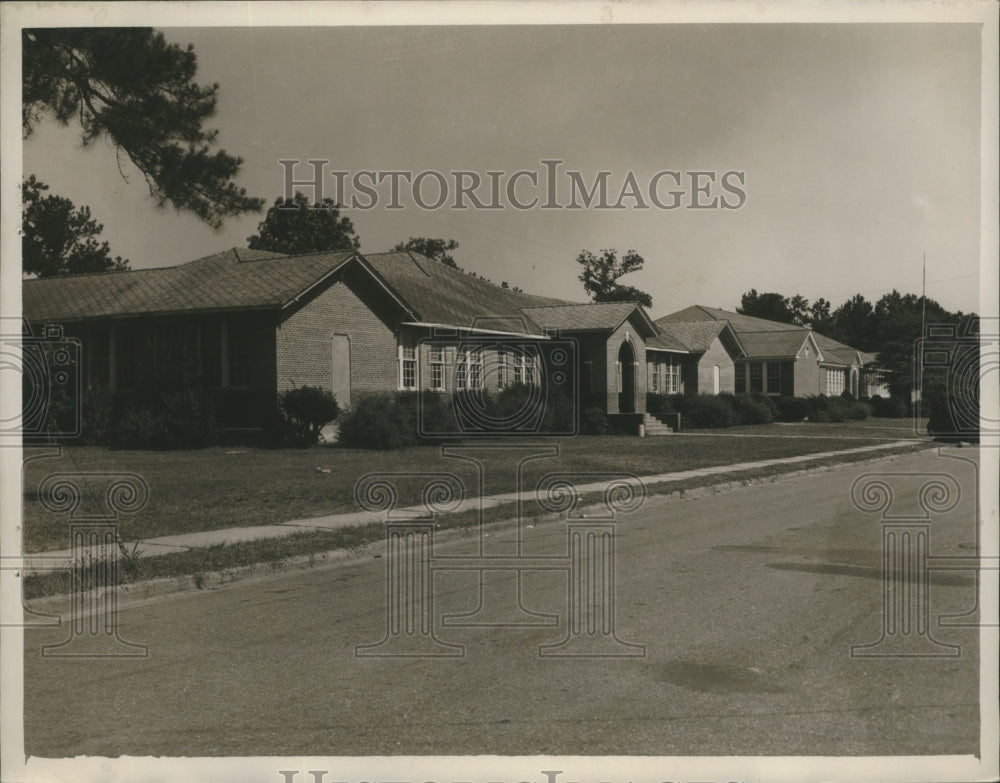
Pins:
x: 151, y: 590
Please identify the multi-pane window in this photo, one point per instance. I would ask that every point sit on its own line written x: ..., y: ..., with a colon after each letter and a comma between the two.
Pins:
x: 655, y: 380
x: 437, y: 368
x: 461, y: 369
x: 407, y: 367
x: 671, y: 377
x: 756, y: 377
x: 834, y: 382
x: 773, y: 378
x: 476, y: 368
x: 740, y: 378
x: 501, y: 368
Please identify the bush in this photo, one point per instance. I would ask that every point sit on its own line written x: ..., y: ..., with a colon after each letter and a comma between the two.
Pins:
x: 380, y: 421
x: 593, y: 422
x: 889, y: 407
x: 754, y: 408
x: 708, y: 411
x: 171, y: 420
x: 793, y: 408
x: 308, y: 409
x: 860, y: 411
x: 658, y: 403
x: 135, y: 428
x: 187, y: 421
x: 97, y: 407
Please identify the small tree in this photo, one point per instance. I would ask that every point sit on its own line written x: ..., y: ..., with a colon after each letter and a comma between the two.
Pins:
x: 59, y: 238
x: 309, y: 409
x: 601, y: 273
x: 296, y: 226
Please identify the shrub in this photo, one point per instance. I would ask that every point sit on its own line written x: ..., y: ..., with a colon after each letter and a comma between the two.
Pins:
x: 793, y: 408
x: 187, y: 421
x: 97, y: 407
x: 308, y: 409
x: 171, y: 420
x: 888, y: 407
x: 380, y: 421
x: 707, y: 411
x: 658, y: 403
x: 754, y: 408
x: 135, y: 428
x: 593, y: 422
x: 860, y: 411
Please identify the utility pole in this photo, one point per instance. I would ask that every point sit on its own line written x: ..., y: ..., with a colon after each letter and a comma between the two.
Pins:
x: 923, y: 329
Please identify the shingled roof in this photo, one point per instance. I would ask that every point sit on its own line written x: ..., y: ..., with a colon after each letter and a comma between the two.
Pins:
x: 236, y: 279
x: 773, y: 344
x: 591, y: 317
x: 694, y: 335
x: 441, y: 294
x: 739, y: 322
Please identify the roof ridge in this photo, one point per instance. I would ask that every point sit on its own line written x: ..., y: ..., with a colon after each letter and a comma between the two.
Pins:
x: 585, y: 304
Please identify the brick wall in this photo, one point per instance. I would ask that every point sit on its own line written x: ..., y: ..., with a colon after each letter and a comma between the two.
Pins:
x: 716, y: 354
x: 612, y: 347
x: 808, y: 376
x: 303, y: 341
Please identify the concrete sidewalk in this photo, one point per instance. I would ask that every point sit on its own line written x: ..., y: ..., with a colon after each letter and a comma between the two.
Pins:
x: 162, y: 545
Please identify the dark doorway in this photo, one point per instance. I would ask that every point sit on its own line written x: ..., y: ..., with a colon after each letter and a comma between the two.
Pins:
x: 626, y: 373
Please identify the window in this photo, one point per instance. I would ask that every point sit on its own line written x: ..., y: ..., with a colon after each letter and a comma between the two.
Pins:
x: 476, y: 368
x: 655, y: 380
x: 773, y: 378
x: 524, y: 369
x: 672, y: 377
x: 834, y: 382
x: 756, y: 377
x: 740, y: 378
x: 588, y: 377
x: 437, y: 368
x: 501, y: 368
x: 407, y: 367
x: 461, y: 369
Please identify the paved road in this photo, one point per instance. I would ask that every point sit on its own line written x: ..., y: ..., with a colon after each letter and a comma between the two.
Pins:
x: 747, y: 603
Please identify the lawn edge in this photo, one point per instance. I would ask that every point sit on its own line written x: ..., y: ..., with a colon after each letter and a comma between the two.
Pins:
x: 146, y: 590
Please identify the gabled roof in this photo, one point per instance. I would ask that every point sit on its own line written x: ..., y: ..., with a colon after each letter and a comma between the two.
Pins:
x: 774, y: 344
x: 740, y: 323
x: 592, y: 317
x: 696, y: 336
x: 666, y: 342
x: 236, y: 279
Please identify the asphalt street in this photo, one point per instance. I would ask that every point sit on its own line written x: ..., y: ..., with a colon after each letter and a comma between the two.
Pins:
x: 745, y: 606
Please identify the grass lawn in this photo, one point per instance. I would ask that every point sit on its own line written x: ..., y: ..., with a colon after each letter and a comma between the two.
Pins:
x: 217, y: 488
x: 889, y: 429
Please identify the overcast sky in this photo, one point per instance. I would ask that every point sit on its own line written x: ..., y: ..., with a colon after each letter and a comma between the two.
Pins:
x: 859, y: 143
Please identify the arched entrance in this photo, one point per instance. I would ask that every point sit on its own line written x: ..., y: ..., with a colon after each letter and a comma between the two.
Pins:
x: 854, y: 382
x: 626, y: 375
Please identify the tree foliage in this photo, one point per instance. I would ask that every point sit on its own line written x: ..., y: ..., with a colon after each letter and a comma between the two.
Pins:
x: 438, y: 249
x: 601, y: 273
x: 58, y: 238
x: 296, y: 226
x: 774, y: 307
x: 132, y: 88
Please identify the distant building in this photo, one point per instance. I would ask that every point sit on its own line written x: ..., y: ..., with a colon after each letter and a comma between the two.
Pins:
x: 255, y: 324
